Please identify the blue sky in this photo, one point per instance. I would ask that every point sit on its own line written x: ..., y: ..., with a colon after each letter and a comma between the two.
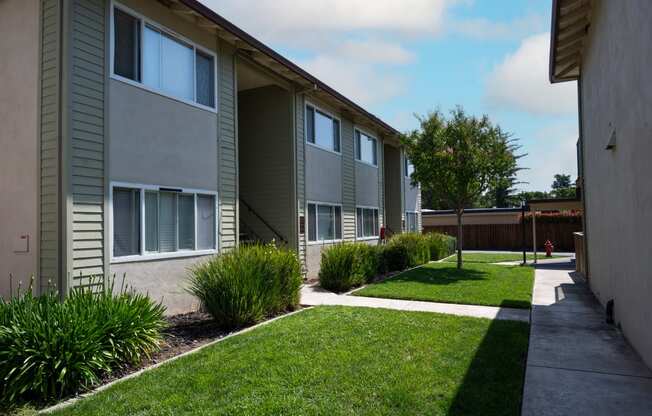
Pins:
x: 397, y: 58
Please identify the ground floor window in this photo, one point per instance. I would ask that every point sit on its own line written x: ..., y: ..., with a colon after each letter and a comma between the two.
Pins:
x: 367, y: 222
x: 411, y: 222
x: 324, y: 222
x: 152, y: 220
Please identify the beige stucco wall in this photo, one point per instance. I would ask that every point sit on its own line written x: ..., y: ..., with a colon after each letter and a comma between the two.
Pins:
x: 19, y: 81
x: 471, y: 218
x: 163, y: 280
x: 616, y: 95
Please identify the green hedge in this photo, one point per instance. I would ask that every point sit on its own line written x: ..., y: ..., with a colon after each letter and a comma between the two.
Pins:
x: 245, y: 285
x: 347, y: 265
x: 50, y: 349
x: 441, y: 245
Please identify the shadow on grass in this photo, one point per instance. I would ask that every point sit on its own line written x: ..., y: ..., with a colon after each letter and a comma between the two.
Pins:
x: 493, y: 383
x: 439, y: 276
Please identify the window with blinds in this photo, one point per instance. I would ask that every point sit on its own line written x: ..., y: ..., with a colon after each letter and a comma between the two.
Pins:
x: 324, y: 222
x: 126, y: 222
x: 173, y: 221
x: 367, y: 222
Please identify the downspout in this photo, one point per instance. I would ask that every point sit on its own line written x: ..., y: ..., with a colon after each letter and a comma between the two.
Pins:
x: 65, y: 160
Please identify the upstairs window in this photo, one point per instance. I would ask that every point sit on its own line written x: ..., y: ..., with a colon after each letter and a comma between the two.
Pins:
x: 322, y: 129
x: 366, y: 148
x: 126, y: 38
x: 149, y: 55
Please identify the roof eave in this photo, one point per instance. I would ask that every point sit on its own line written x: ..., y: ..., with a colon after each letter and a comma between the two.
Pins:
x: 570, y: 21
x: 269, y: 52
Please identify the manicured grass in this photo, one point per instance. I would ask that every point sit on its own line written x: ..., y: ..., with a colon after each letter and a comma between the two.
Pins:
x: 496, y: 257
x: 337, y: 361
x: 474, y: 284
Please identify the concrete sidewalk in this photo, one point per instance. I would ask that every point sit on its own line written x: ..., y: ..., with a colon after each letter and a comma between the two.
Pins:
x: 313, y: 295
x: 577, y: 364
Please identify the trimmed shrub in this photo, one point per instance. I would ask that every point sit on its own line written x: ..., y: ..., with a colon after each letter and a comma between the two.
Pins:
x: 413, y: 247
x: 440, y: 245
x: 393, y: 258
x: 50, y: 349
x: 371, y: 261
x: 342, y: 267
x: 245, y: 285
x: 347, y: 265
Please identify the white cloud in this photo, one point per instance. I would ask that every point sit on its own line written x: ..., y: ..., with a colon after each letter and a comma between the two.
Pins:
x: 552, y: 150
x: 363, y: 83
x: 374, y: 51
x: 482, y: 28
x: 282, y: 20
x: 521, y: 83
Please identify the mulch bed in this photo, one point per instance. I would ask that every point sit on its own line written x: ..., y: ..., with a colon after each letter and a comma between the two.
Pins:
x: 185, y: 332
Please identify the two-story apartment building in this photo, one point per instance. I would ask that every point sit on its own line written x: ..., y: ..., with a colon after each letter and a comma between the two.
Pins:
x: 140, y: 137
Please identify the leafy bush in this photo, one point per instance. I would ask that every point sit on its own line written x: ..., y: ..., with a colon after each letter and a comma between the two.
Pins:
x: 413, y: 247
x: 342, y: 267
x: 393, y: 258
x: 440, y: 245
x: 347, y: 265
x: 245, y: 285
x: 50, y: 349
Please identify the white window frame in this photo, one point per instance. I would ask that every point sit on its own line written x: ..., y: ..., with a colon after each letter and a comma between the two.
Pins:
x: 355, y: 146
x: 373, y: 237
x: 144, y: 21
x: 416, y: 221
x: 326, y: 113
x: 321, y: 242
x: 145, y: 255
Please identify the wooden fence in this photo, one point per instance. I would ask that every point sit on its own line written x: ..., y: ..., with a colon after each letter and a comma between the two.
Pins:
x: 509, y: 236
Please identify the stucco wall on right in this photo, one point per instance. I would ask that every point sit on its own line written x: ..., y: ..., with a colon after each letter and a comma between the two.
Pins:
x: 19, y: 167
x: 616, y: 94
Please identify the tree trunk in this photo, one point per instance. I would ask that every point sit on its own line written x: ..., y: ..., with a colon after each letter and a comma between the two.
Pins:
x: 459, y: 238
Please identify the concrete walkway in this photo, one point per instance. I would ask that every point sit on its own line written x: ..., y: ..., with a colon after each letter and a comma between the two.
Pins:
x: 577, y: 364
x: 314, y: 295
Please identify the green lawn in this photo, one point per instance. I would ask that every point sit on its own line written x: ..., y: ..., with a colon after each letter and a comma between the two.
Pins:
x: 475, y: 284
x: 337, y: 361
x: 495, y: 257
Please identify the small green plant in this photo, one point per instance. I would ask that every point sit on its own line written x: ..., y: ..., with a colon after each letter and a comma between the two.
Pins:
x: 440, y: 245
x: 51, y: 348
x: 245, y: 285
x: 342, y: 267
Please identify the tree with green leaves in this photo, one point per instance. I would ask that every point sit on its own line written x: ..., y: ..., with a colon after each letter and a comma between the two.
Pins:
x: 457, y: 159
x: 562, y: 186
